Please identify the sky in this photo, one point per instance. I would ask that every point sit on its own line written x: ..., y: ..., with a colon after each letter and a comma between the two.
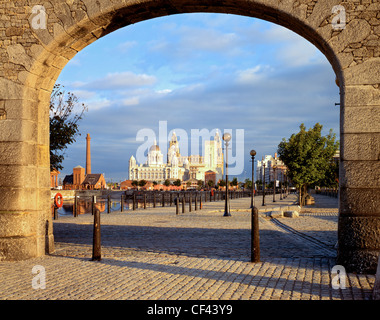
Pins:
x: 188, y: 72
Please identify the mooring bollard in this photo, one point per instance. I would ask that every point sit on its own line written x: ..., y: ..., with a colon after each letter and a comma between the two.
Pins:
x: 163, y: 199
x: 134, y: 201
x: 176, y: 202
x: 255, y: 238
x: 109, y: 204
x: 183, y: 203
x: 75, y: 208
x: 121, y: 203
x: 190, y: 200
x: 93, y: 205
x: 55, y: 212
x: 144, y: 200
x: 96, y: 246
x: 195, y: 203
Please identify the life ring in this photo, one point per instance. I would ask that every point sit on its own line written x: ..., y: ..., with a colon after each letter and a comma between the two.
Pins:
x: 58, y: 203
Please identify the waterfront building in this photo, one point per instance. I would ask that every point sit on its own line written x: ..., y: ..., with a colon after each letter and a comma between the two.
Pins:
x: 177, y: 166
x: 270, y: 161
x: 83, y: 178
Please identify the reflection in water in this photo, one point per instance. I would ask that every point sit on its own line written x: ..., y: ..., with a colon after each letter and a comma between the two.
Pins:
x: 84, y: 206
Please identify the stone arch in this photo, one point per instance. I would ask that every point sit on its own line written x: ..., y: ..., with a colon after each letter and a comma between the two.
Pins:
x: 34, y: 57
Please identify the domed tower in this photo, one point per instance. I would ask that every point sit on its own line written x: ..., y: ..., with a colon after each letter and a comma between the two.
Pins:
x: 155, y: 157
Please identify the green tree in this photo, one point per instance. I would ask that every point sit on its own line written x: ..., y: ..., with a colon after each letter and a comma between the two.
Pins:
x: 177, y: 183
x: 65, y: 113
x: 234, y: 182
x: 308, y: 155
x: 210, y: 183
x: 135, y: 183
x: 222, y: 183
x: 247, y: 184
x: 167, y: 182
x: 142, y: 183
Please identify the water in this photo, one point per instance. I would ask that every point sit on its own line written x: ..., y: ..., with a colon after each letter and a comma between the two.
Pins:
x: 85, y: 206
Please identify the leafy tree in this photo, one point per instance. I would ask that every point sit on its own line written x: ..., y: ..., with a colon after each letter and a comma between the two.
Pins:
x: 222, y: 183
x: 142, y: 183
x: 308, y: 155
x: 167, y: 182
x: 154, y: 183
x: 65, y: 113
x: 210, y: 183
x: 247, y: 184
x: 177, y: 183
x: 135, y: 183
x: 234, y: 182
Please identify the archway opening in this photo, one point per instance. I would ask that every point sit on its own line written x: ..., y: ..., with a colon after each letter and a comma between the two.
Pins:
x: 225, y: 72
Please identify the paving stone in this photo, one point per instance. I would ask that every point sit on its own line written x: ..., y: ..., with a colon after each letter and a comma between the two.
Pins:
x: 153, y: 254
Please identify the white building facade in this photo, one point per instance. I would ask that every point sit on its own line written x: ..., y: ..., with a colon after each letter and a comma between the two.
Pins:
x: 177, y: 166
x: 266, y: 165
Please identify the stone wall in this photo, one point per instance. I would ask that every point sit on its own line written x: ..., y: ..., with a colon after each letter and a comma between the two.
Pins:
x: 32, y: 58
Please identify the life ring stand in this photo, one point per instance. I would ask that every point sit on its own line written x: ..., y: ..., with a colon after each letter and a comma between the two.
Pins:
x: 58, y: 203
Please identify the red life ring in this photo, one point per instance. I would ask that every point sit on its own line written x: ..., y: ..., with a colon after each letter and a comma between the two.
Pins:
x: 58, y: 203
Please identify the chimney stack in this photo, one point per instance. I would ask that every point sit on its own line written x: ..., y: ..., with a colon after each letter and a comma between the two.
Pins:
x: 88, y: 155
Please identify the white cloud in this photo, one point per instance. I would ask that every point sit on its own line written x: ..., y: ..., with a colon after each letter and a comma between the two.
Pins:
x: 131, y: 101
x: 121, y: 80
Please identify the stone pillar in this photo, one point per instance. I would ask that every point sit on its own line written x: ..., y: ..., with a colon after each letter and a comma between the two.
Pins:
x: 359, y: 219
x: 25, y: 216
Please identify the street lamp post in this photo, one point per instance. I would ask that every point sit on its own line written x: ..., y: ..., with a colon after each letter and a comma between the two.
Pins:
x: 263, y: 184
x: 281, y: 183
x: 226, y: 138
x: 253, y: 153
x: 274, y: 183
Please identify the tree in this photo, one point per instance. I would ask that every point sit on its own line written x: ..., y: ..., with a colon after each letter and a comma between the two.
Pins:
x: 177, y: 183
x: 65, y: 113
x: 222, y: 183
x: 234, y: 182
x: 167, y: 182
x: 308, y: 155
x: 142, y: 183
x: 247, y: 184
x: 135, y: 183
x: 210, y: 183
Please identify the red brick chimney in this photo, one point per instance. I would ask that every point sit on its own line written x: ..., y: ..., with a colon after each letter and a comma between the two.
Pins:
x: 88, y: 155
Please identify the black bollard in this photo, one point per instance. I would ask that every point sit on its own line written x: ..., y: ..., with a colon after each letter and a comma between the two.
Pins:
x: 190, y: 200
x: 176, y: 202
x: 75, y: 209
x: 134, y: 201
x: 144, y: 200
x: 93, y: 205
x: 55, y: 212
x: 121, y: 203
x: 96, y: 246
x: 255, y: 238
x: 109, y: 204
x: 183, y: 203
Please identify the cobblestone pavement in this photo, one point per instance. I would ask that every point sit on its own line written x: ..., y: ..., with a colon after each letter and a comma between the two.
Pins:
x: 156, y: 254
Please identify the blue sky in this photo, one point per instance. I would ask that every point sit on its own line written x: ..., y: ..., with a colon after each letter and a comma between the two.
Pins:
x: 197, y: 71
